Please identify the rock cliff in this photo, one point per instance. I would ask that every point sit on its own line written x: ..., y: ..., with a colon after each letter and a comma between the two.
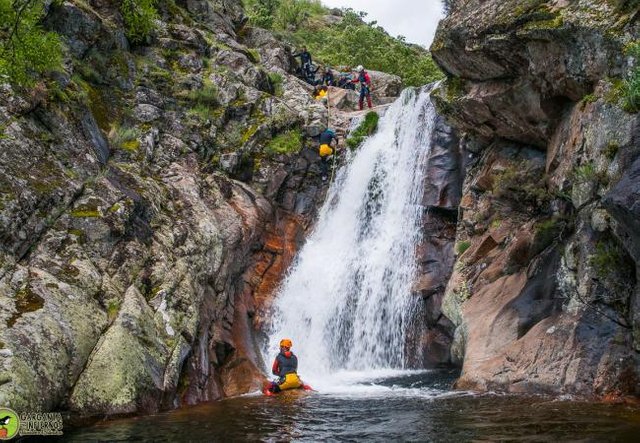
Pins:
x: 152, y: 197
x: 544, y: 294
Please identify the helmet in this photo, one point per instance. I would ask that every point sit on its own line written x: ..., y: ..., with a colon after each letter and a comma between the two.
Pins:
x: 285, y: 343
x: 360, y: 68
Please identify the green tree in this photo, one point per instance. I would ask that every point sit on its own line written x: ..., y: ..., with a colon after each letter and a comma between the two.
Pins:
x: 27, y: 49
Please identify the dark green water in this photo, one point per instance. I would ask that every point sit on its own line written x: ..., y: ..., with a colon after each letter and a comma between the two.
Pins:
x: 409, y: 408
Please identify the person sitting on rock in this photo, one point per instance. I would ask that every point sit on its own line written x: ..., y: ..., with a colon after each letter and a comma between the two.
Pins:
x: 345, y: 81
x: 285, y: 366
x: 328, y: 79
x: 326, y: 151
x: 365, y: 86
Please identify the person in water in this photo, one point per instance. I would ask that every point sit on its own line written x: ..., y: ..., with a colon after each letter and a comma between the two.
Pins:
x: 285, y: 366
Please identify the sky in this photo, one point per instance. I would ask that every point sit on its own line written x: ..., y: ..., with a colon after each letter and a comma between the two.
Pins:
x: 415, y: 19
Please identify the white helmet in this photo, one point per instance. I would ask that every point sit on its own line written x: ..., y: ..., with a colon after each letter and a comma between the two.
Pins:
x: 360, y: 68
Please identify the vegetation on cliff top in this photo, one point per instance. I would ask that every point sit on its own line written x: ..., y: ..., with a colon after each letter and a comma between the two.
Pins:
x: 345, y: 39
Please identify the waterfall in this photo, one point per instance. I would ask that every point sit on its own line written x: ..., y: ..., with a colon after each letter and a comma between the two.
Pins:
x: 346, y: 302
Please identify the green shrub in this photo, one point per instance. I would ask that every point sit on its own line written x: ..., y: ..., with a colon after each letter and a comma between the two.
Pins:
x: 139, y: 19
x: 611, y: 150
x: 585, y: 173
x: 462, y: 246
x: 546, y: 232
x: 200, y: 111
x: 613, y: 267
x: 288, y: 142
x: 125, y: 138
x: 262, y: 13
x: 292, y: 13
x: 205, y: 96
x: 27, y: 50
x: 276, y: 80
x: 631, y: 86
x: 368, y: 126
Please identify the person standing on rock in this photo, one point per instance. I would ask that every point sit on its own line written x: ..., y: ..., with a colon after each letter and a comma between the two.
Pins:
x: 305, y: 63
x: 326, y: 151
x: 365, y: 86
x: 285, y: 366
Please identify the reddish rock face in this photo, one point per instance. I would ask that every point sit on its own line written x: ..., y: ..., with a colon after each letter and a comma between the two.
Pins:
x: 283, y: 240
x: 545, y: 298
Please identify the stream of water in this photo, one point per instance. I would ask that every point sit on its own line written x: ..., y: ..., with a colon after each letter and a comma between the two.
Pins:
x: 346, y: 304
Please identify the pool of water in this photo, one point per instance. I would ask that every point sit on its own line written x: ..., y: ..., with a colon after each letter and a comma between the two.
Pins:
x: 388, y: 406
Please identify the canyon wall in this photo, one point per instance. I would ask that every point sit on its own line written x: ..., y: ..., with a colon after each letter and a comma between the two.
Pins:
x: 148, y: 197
x: 544, y: 295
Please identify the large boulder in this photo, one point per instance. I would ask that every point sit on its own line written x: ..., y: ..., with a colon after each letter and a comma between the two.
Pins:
x: 274, y: 55
x: 519, y: 67
x: 126, y: 370
x: 385, y: 85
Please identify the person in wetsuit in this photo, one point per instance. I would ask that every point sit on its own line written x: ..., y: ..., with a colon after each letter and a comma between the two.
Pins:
x: 326, y: 151
x: 365, y: 86
x: 306, y: 63
x: 285, y: 366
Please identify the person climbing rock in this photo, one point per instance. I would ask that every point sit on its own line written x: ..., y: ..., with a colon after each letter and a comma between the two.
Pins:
x: 326, y: 151
x: 285, y: 366
x: 365, y: 86
x: 306, y: 63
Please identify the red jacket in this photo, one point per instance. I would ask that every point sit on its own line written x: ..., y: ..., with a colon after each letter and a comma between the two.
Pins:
x: 363, y: 77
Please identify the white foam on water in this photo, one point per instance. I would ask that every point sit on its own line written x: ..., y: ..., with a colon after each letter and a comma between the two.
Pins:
x: 346, y: 302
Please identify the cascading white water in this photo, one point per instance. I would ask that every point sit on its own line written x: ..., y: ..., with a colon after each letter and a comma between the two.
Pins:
x: 346, y: 302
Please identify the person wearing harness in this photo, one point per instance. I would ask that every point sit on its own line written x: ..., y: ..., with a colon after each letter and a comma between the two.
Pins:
x: 285, y: 366
x: 306, y: 62
x: 326, y: 151
x: 328, y: 79
x: 365, y: 86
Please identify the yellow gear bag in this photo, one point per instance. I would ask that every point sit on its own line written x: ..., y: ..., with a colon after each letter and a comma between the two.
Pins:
x: 291, y: 381
x: 325, y: 150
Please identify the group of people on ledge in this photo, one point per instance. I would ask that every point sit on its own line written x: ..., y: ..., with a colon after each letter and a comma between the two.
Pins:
x: 346, y: 80
x: 328, y: 140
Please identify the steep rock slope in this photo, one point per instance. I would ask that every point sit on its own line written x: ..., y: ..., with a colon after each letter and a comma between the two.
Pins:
x: 544, y: 295
x: 141, y: 191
